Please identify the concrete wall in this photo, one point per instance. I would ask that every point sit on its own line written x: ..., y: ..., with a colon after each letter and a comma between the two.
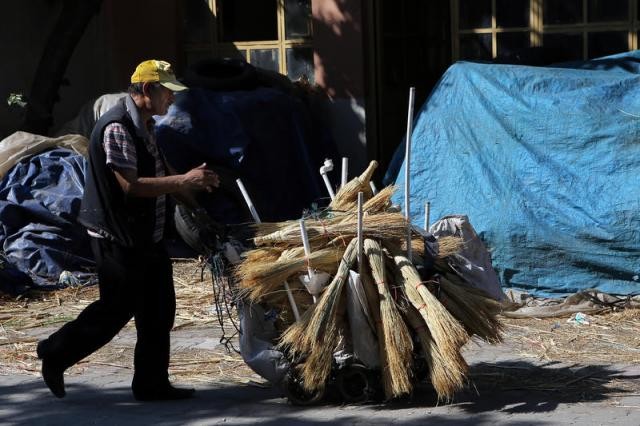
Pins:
x: 122, y: 35
x: 339, y: 70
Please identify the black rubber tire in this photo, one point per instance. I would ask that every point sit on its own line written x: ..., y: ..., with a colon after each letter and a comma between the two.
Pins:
x: 355, y: 384
x: 296, y: 394
x: 199, y: 234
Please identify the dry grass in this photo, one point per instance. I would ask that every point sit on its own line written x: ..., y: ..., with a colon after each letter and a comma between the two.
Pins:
x: 612, y: 337
x: 24, y: 320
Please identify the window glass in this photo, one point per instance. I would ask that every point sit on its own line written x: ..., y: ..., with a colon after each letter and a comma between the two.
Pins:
x: 265, y: 58
x: 510, y: 43
x: 568, y: 46
x: 475, y: 14
x: 248, y: 20
x: 607, y: 43
x: 512, y: 13
x: 475, y: 46
x: 196, y: 21
x: 608, y: 10
x: 297, y: 18
x: 299, y: 63
x: 562, y: 12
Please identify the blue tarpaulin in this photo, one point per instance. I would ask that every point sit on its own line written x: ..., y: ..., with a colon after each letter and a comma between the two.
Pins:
x: 39, y: 203
x: 545, y: 162
x: 266, y: 137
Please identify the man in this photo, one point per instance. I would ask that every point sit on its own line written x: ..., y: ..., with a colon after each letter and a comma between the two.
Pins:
x: 123, y: 209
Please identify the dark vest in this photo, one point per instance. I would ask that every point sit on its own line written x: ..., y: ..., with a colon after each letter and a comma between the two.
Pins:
x: 105, y: 208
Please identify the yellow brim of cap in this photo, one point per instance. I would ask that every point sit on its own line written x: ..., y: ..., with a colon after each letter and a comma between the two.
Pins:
x: 175, y: 85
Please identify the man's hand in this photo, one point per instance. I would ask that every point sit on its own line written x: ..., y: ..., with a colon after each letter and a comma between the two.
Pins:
x: 201, y: 178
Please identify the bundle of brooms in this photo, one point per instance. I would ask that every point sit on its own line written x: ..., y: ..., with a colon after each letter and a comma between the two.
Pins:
x: 431, y: 318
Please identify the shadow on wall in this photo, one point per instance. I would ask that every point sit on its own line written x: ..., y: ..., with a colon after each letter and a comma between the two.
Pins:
x: 340, y: 72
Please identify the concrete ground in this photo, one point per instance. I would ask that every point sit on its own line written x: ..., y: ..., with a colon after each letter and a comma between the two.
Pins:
x: 504, y: 389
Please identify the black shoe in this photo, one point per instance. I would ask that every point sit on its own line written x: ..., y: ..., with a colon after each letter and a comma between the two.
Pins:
x: 52, y: 374
x: 166, y: 393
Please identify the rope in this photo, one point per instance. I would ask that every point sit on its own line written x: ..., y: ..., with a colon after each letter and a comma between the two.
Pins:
x: 223, y: 296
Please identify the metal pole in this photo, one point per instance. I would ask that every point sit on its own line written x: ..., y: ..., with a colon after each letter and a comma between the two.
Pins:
x: 407, y: 169
x: 427, y: 214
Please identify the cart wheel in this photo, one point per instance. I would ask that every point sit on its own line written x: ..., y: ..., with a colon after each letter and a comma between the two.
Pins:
x: 295, y: 392
x: 355, y: 383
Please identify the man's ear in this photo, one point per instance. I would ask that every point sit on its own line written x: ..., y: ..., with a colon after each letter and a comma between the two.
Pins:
x: 147, y: 88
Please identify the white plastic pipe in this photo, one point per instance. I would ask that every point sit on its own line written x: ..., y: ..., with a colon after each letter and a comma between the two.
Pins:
x: 345, y: 171
x: 307, y: 253
x: 407, y: 170
x: 373, y: 187
x: 292, y: 302
x: 427, y: 213
x: 326, y: 168
x: 306, y: 245
x: 256, y: 219
x: 247, y: 199
x: 360, y: 233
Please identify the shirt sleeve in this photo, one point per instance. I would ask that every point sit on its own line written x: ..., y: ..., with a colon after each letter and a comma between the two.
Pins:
x: 119, y: 148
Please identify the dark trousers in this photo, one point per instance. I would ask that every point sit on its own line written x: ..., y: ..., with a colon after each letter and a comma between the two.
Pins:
x: 134, y: 282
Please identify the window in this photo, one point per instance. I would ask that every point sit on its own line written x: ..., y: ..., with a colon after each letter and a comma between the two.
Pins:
x: 573, y: 29
x: 486, y: 29
x: 272, y: 34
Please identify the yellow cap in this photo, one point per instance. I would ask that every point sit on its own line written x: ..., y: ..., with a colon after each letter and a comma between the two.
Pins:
x: 154, y: 71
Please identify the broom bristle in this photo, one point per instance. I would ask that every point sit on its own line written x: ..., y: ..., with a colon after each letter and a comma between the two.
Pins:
x: 388, y: 226
x: 448, y: 246
x: 476, y: 312
x: 446, y: 377
x: 448, y: 333
x: 347, y: 196
x: 397, y: 340
x: 380, y: 202
x: 258, y: 279
x: 316, y: 334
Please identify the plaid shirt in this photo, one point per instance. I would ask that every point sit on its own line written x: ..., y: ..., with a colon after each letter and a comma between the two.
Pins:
x: 121, y: 155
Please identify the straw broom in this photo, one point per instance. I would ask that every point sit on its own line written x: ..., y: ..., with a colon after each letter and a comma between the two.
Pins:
x: 447, y: 333
x: 259, y: 279
x: 472, y: 308
x: 397, y: 340
x: 379, y: 226
x: 347, y: 196
x: 380, y: 202
x: 446, y: 377
x: 316, y: 334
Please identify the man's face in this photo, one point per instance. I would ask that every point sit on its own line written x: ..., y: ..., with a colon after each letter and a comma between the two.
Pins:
x: 160, y: 98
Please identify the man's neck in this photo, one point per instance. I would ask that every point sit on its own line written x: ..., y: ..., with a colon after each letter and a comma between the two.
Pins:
x: 145, y: 114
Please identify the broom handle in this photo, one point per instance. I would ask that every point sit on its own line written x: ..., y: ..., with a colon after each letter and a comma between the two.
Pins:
x: 372, y: 185
x: 307, y: 253
x: 306, y: 245
x: 345, y: 171
x: 256, y: 219
x: 327, y: 183
x: 247, y: 200
x: 292, y: 302
x: 407, y: 168
x: 427, y: 213
x: 360, y: 236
